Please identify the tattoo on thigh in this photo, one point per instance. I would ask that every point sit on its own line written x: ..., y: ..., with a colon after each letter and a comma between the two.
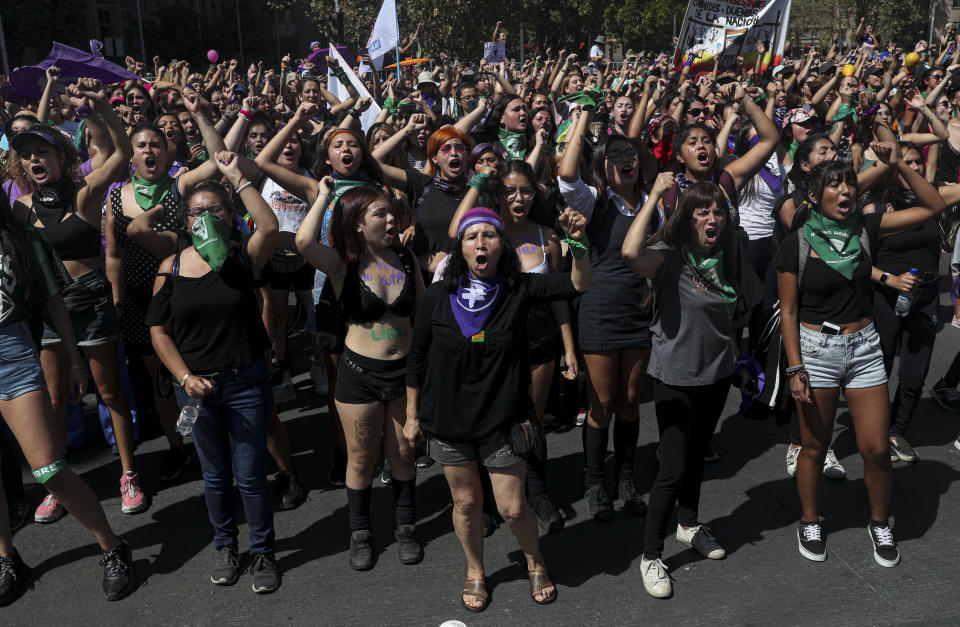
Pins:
x: 365, y: 428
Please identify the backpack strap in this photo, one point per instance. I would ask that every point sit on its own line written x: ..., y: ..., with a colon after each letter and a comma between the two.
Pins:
x: 176, y: 265
x: 669, y: 201
x: 421, y: 199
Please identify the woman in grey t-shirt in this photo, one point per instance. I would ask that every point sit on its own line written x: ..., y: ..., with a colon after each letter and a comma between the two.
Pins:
x: 696, y: 291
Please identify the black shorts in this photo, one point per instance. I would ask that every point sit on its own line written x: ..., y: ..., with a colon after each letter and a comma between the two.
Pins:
x: 541, y: 354
x: 362, y: 380
x: 89, y: 300
x: 299, y: 280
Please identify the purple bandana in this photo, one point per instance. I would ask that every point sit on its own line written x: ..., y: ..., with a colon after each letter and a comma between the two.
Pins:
x: 473, y: 305
x: 774, y: 180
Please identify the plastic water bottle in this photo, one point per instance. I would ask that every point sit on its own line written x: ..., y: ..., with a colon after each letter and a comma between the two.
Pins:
x: 188, y: 416
x: 905, y: 299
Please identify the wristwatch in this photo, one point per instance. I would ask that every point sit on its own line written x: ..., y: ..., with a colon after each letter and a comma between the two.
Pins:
x: 884, y: 277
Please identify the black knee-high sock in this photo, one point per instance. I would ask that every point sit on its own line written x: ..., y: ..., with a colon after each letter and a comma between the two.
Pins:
x: 625, y: 436
x: 404, y: 501
x: 358, y: 504
x: 595, y: 452
x: 489, y: 503
x: 537, y: 472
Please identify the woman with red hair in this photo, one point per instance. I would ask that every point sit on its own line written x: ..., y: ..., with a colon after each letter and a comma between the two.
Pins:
x: 434, y: 195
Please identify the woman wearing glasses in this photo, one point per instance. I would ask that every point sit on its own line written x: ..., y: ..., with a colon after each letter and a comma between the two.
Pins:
x: 513, y: 187
x: 614, y: 330
x: 206, y: 328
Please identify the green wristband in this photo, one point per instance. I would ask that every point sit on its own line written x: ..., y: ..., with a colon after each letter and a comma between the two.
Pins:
x: 578, y: 248
x: 340, y: 74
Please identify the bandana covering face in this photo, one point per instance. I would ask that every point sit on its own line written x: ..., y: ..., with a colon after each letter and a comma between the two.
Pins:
x: 514, y: 143
x: 836, y: 242
x: 211, y: 239
x: 148, y: 193
x: 474, y: 304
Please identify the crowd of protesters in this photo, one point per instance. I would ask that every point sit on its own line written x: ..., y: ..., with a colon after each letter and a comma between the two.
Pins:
x: 500, y: 233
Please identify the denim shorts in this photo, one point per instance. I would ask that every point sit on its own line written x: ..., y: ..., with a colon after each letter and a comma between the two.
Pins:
x: 20, y: 370
x: 89, y: 299
x: 854, y: 360
x: 494, y: 452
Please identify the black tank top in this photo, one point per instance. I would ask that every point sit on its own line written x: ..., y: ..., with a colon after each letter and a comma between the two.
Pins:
x: 948, y: 167
x: 361, y: 305
x: 72, y: 238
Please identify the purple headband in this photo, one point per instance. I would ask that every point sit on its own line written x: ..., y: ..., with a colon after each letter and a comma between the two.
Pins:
x: 476, y: 216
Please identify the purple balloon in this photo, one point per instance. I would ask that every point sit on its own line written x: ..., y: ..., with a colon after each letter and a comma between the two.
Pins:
x: 212, y: 56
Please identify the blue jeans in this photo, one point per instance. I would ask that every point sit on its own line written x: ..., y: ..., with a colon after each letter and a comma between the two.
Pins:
x: 231, y: 439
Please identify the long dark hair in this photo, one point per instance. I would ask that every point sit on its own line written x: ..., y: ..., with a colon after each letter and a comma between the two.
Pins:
x: 457, y: 272
x: 821, y: 175
x: 515, y: 166
x: 598, y: 173
x: 368, y: 165
x: 16, y: 255
x: 678, y: 231
x: 890, y: 194
x: 348, y: 214
x: 798, y: 176
x: 682, y: 136
x: 491, y: 126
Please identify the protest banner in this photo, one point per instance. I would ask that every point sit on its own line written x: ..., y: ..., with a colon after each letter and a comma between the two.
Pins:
x: 731, y: 29
x: 368, y: 117
x: 494, y: 51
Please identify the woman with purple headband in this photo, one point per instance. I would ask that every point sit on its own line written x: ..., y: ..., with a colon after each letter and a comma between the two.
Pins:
x: 468, y: 382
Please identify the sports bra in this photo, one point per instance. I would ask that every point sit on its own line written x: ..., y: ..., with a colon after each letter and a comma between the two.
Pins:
x: 543, y: 267
x: 74, y: 238
x: 361, y: 305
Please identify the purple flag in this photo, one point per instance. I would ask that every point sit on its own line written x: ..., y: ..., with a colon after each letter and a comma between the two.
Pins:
x: 319, y: 58
x: 74, y: 64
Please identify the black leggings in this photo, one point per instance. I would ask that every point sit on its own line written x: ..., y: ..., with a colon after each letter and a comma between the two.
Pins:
x: 913, y: 335
x: 686, y: 418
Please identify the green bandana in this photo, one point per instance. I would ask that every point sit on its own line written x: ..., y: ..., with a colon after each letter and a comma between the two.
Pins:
x: 710, y: 267
x: 836, y: 243
x: 514, y: 143
x: 148, y: 193
x: 845, y: 112
x: 211, y: 239
x: 793, y: 149
x: 342, y: 185
x: 588, y: 99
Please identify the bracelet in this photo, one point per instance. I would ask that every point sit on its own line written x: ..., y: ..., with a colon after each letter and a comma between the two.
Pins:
x: 246, y: 114
x: 183, y: 380
x: 353, y: 112
x: 743, y: 101
x: 243, y: 187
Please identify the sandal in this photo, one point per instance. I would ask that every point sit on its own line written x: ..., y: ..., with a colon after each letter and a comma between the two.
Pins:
x: 476, y: 588
x: 539, y: 579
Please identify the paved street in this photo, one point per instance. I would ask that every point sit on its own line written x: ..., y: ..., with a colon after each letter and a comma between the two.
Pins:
x: 748, y: 500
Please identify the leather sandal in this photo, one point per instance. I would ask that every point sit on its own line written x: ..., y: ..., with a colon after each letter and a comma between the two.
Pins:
x: 539, y: 579
x: 476, y: 588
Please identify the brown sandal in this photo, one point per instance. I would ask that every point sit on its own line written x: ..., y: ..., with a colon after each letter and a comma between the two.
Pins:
x: 476, y: 588
x: 539, y: 579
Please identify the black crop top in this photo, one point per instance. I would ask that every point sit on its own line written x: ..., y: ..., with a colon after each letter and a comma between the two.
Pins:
x: 361, y: 305
x: 825, y: 295
x: 74, y: 238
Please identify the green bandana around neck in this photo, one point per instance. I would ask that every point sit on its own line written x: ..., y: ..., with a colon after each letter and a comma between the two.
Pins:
x: 793, y: 149
x: 148, y: 193
x: 342, y: 185
x: 837, y: 243
x: 514, y: 143
x: 211, y: 239
x: 710, y: 267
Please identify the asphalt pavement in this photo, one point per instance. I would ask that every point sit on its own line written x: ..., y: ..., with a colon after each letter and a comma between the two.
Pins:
x: 748, y: 500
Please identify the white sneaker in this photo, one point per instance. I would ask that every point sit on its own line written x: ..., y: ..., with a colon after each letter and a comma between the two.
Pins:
x: 319, y: 376
x: 581, y: 417
x: 655, y: 578
x: 832, y: 469
x: 956, y: 443
x: 702, y: 541
x: 955, y: 322
x: 792, y: 454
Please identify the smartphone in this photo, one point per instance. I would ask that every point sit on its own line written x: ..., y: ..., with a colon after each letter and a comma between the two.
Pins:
x: 828, y: 328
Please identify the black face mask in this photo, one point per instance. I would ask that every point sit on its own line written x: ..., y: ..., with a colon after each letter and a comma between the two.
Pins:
x: 471, y: 104
x: 50, y: 203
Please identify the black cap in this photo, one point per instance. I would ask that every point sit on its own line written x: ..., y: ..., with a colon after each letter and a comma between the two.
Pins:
x: 828, y: 68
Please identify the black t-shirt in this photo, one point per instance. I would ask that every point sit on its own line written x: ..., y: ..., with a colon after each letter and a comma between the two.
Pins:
x: 948, y: 166
x: 215, y: 319
x: 470, y: 389
x: 825, y: 295
x: 917, y: 248
x: 433, y: 212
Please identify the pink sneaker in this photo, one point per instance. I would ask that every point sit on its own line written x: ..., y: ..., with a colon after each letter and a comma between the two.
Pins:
x: 50, y: 510
x: 132, y: 499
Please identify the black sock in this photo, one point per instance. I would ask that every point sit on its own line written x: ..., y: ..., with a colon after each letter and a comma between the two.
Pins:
x: 879, y: 523
x: 358, y: 503
x: 404, y: 501
x: 595, y: 452
x: 537, y: 472
x: 625, y: 436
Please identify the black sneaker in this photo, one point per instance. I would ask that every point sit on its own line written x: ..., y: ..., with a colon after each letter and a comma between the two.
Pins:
x: 386, y: 475
x: 632, y: 501
x: 811, y: 543
x: 118, y: 578
x: 227, y: 569
x: 946, y: 396
x: 548, y: 516
x: 287, y: 493
x: 176, y: 460
x: 408, y: 547
x: 266, y: 575
x: 424, y: 461
x: 900, y: 450
x: 13, y: 577
x: 490, y: 524
x: 18, y: 512
x: 885, y: 550
x: 598, y: 503
x: 361, y: 550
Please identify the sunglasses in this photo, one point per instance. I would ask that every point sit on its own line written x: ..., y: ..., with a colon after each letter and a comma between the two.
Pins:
x: 695, y: 111
x: 454, y: 147
x: 217, y: 210
x: 620, y: 156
